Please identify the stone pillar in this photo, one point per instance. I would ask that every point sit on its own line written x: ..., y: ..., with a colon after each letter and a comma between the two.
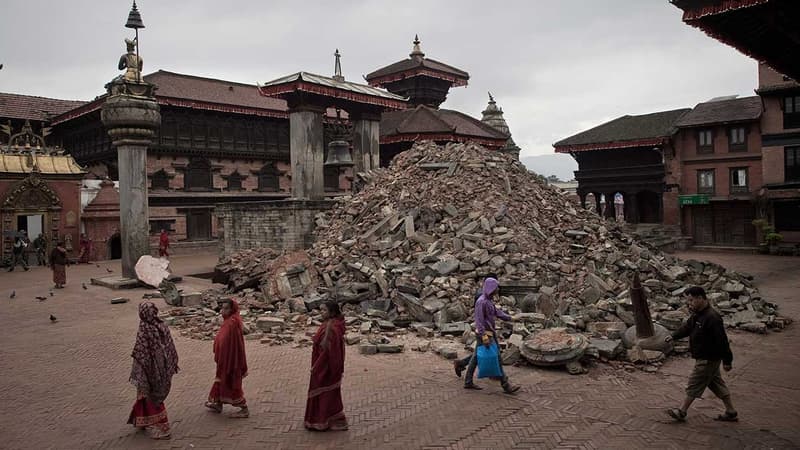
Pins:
x: 131, y: 117
x: 610, y: 212
x: 633, y: 209
x: 366, y: 141
x: 307, y: 150
x: 597, y: 205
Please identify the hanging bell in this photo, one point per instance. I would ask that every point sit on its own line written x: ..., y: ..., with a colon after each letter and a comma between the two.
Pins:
x: 134, y: 18
x: 338, y: 154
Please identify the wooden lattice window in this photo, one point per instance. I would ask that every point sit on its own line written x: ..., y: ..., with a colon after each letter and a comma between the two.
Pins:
x: 198, y: 175
x: 159, y: 180
x: 269, y: 179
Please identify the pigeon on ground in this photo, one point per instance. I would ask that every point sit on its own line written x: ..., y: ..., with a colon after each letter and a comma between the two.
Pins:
x: 52, y: 318
x: 83, y: 285
x: 13, y: 294
x: 109, y: 270
x: 40, y: 298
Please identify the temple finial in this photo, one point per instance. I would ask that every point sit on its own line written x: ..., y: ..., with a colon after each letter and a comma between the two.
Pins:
x: 416, y: 52
x: 491, y: 99
x: 337, y: 68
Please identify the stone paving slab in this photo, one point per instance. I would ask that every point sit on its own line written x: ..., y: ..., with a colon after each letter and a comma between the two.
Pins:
x: 65, y: 386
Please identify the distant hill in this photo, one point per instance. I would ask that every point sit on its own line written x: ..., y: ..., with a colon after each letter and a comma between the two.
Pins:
x: 556, y: 164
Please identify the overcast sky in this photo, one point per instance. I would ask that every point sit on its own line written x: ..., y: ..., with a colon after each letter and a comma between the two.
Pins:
x: 555, y: 67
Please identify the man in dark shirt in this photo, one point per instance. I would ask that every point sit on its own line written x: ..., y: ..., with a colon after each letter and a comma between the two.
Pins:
x: 709, y: 346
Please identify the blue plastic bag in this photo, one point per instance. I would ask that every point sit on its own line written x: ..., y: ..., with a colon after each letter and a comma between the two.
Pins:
x: 489, y: 361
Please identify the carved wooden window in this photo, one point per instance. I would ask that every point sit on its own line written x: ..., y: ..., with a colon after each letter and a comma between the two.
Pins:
x: 235, y: 181
x: 259, y: 142
x: 199, y: 135
x: 168, y: 131
x: 227, y: 136
x: 213, y: 136
x: 184, y: 134
x: 269, y: 179
x: 159, y: 180
x: 240, y: 134
x: 198, y: 175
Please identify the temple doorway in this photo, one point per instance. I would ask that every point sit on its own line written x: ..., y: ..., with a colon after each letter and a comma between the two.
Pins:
x: 115, y: 247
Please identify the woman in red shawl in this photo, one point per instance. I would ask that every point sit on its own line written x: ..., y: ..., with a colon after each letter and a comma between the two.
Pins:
x: 163, y: 244
x: 324, y: 409
x: 155, y: 361
x: 231, y: 363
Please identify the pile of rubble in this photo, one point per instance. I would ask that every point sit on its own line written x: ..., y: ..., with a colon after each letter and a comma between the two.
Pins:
x: 409, y: 251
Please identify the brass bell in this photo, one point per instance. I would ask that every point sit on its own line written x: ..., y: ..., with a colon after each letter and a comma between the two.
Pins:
x: 134, y: 18
x: 338, y: 154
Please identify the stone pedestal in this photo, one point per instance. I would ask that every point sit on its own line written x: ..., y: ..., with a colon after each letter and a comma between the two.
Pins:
x: 131, y: 117
x: 307, y: 152
x: 366, y: 142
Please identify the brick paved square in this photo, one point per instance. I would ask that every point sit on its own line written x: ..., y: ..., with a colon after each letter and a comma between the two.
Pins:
x: 65, y: 385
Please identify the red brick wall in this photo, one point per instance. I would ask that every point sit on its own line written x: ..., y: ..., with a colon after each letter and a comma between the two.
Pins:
x: 69, y: 193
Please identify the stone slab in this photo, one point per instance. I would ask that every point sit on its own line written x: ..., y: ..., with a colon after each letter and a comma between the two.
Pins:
x: 116, y: 282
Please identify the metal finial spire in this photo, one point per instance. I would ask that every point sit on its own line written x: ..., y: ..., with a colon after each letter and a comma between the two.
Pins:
x: 337, y: 67
x: 416, y: 52
x: 491, y: 99
x: 134, y: 18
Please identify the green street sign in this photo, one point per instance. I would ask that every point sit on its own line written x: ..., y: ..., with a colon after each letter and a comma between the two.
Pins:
x: 693, y: 199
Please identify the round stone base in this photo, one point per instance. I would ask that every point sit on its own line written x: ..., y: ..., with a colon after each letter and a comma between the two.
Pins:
x: 656, y: 342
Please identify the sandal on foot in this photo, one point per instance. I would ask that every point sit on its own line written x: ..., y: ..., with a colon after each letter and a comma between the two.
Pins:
x: 216, y: 407
x: 677, y: 414
x: 728, y: 417
x: 241, y: 414
x: 472, y: 386
x: 510, y: 389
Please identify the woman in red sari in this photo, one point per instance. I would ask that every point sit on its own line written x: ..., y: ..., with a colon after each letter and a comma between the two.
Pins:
x: 231, y: 363
x: 324, y: 409
x: 155, y: 361
x: 163, y: 244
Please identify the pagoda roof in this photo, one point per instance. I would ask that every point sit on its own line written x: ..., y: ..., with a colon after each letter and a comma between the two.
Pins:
x: 747, y: 109
x: 762, y: 29
x: 18, y: 106
x: 413, y: 67
x: 625, y: 132
x: 426, y: 123
x: 47, y: 164
x: 191, y: 91
x: 330, y: 87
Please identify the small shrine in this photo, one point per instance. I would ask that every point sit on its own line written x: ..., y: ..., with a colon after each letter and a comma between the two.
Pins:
x: 426, y: 82
x: 39, y: 190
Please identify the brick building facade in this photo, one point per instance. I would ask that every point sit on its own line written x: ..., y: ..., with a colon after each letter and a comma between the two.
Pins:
x: 713, y: 169
x: 220, y: 142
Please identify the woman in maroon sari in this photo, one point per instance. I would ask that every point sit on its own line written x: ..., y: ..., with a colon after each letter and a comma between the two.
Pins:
x: 231, y: 363
x: 155, y: 361
x: 324, y: 409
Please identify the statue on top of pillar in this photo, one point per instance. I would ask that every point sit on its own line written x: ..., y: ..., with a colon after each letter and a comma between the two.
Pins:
x: 130, y: 62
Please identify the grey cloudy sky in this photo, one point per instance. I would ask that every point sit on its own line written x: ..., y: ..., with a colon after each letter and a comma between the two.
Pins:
x: 555, y: 67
